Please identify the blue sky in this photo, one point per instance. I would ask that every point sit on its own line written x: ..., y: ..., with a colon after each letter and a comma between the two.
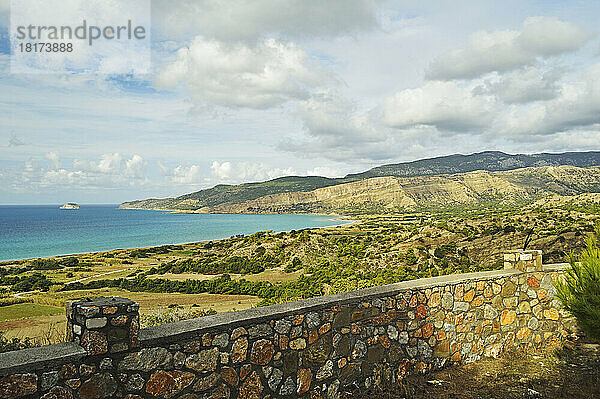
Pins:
x: 245, y: 91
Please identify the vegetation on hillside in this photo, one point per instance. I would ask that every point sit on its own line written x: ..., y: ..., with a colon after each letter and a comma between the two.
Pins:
x: 14, y: 344
x: 378, y: 250
x: 232, y: 194
x: 268, y: 267
x: 221, y: 197
x: 487, y: 160
x: 579, y: 291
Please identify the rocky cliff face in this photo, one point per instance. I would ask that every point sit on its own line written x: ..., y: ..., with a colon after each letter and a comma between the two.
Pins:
x: 388, y: 194
x: 225, y: 196
x: 394, y: 194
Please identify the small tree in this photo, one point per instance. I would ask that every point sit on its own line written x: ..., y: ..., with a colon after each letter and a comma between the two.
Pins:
x: 579, y: 292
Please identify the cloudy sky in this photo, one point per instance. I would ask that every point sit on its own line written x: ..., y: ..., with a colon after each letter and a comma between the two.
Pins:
x: 243, y: 91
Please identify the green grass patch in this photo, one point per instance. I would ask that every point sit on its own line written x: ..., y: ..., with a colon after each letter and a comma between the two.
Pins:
x: 26, y: 310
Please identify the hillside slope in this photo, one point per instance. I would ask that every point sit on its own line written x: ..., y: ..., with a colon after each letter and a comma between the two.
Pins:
x: 394, y: 194
x: 226, y: 196
x: 231, y: 194
x: 492, y: 161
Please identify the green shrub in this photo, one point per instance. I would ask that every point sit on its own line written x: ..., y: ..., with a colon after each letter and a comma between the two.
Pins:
x: 45, y: 264
x: 295, y: 264
x: 70, y: 261
x: 12, y: 300
x: 579, y: 292
x: 13, y: 344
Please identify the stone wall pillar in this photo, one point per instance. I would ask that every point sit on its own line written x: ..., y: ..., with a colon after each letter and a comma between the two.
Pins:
x: 103, y: 325
x: 529, y: 260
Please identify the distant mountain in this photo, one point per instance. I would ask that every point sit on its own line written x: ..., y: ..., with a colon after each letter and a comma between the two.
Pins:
x: 491, y: 161
x: 478, y: 189
x: 233, y: 194
x: 222, y: 197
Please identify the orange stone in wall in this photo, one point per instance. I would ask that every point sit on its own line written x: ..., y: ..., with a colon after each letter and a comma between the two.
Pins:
x: 303, y: 380
x: 551, y: 314
x: 507, y: 317
x: 324, y: 328
x: 523, y: 333
x: 421, y: 312
x: 427, y: 330
x: 413, y: 301
x: 469, y: 295
x: 434, y: 300
x: 542, y: 294
x: 532, y: 282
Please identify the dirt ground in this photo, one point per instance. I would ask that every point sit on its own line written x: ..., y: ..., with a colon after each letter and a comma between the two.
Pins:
x: 570, y: 372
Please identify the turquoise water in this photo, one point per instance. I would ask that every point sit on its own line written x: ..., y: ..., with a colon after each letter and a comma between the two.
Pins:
x: 45, y: 230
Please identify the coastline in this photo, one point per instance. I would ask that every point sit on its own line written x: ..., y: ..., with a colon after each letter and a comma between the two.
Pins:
x: 343, y: 220
x: 200, y: 211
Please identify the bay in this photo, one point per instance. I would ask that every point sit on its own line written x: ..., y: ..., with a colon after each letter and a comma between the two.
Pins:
x: 29, y: 231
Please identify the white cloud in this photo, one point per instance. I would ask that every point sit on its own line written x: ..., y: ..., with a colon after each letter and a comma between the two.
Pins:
x: 236, y: 75
x: 577, y: 106
x: 549, y: 36
x: 187, y: 174
x: 111, y: 171
x: 331, y: 115
x: 65, y: 178
x: 104, y: 56
x: 53, y: 160
x: 222, y: 170
x: 325, y: 171
x: 228, y: 172
x: 135, y: 167
x: 524, y: 85
x: 108, y: 164
x: 332, y: 125
x: 505, y: 50
x: 164, y: 170
x: 445, y: 105
x: 239, y: 20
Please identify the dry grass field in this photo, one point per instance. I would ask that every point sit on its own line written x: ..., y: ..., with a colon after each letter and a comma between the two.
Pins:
x: 45, y: 318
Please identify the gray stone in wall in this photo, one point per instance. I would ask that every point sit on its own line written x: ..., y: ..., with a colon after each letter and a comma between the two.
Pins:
x: 146, y: 360
x: 460, y: 306
x: 489, y: 312
x: 135, y: 383
x: 283, y: 326
x: 48, y: 380
x: 392, y: 332
x: 533, y: 323
x: 288, y: 387
x: 261, y: 330
x: 424, y: 350
x: 447, y: 300
x: 360, y: 350
x: 325, y: 372
x: 275, y: 379
x: 221, y: 340
x: 313, y: 320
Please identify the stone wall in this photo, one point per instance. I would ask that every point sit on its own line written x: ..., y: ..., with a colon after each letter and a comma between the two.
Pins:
x: 313, y: 348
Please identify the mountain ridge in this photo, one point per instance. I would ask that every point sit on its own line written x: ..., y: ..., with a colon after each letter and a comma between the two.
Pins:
x: 222, y: 197
x: 477, y: 189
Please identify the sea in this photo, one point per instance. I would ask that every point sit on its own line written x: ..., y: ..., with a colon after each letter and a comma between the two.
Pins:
x: 31, y: 231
